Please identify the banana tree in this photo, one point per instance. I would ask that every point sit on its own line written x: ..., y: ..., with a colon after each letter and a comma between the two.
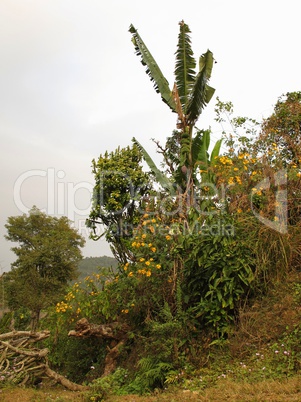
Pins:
x: 188, y: 97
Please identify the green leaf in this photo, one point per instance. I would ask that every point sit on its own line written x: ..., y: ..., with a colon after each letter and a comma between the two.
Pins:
x: 201, y: 93
x: 215, y: 152
x: 161, y: 84
x: 160, y: 177
x: 185, y: 66
x: 200, y: 145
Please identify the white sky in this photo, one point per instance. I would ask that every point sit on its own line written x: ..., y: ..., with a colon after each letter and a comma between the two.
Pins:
x: 71, y: 86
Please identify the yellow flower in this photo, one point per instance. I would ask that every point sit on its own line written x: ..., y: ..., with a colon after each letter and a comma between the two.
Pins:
x: 231, y: 180
x: 235, y: 169
x: 254, y: 173
x: 239, y: 210
x: 131, y: 274
x: 168, y: 237
x: 134, y: 244
x: 238, y: 179
x: 259, y: 192
x: 147, y: 263
x: 276, y: 218
x: 142, y: 244
x: 299, y: 174
x: 148, y: 273
x: 158, y: 266
x: 153, y: 249
x: 153, y: 220
x: 150, y: 245
x: 142, y: 259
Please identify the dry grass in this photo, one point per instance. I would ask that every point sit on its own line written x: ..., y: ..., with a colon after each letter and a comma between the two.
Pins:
x: 225, y: 390
x: 33, y: 395
x: 266, y: 391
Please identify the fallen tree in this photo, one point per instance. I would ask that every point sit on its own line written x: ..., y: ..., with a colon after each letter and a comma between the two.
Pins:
x: 115, y: 331
x: 21, y: 362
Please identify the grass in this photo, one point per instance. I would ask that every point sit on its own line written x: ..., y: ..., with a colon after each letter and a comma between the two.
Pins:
x: 225, y: 390
x: 57, y: 394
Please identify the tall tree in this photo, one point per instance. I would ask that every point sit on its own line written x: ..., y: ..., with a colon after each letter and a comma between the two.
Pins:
x: 190, y: 94
x: 47, y: 257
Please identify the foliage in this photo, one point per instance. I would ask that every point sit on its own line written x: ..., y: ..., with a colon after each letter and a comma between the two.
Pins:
x: 282, y: 130
x: 113, y: 384
x: 120, y: 186
x: 79, y: 359
x: 47, y: 258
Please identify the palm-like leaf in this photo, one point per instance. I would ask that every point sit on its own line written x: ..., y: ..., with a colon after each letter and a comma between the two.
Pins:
x: 201, y: 92
x: 185, y: 66
x: 199, y: 149
x: 160, y: 177
x: 161, y: 84
x: 215, y: 152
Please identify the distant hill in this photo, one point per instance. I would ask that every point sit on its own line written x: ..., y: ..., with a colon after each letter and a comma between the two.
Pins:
x: 90, y: 265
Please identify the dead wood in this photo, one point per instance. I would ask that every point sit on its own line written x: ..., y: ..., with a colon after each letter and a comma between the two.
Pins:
x: 21, y: 362
x: 63, y: 380
x: 35, y: 336
x: 115, y: 331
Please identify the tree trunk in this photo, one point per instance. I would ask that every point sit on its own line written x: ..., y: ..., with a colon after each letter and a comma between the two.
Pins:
x: 115, y: 331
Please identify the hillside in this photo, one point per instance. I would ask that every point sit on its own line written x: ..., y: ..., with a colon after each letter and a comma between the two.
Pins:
x: 90, y: 265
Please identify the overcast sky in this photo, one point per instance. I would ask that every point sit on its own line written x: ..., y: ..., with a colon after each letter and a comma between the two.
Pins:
x: 71, y: 86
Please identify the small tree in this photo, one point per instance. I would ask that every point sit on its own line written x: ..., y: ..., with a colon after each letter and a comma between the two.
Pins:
x: 120, y: 189
x: 47, y: 258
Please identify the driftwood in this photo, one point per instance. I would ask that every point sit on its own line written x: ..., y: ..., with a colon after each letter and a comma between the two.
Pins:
x: 20, y: 361
x: 114, y: 331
